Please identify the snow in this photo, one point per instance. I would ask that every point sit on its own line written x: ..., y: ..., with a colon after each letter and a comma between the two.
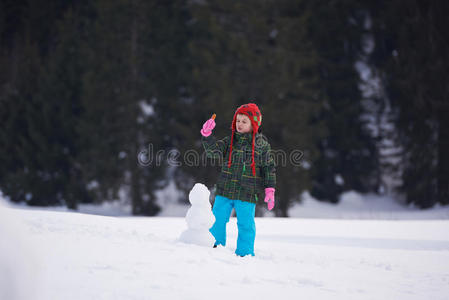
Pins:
x: 168, y: 200
x: 353, y: 205
x: 146, y: 107
x: 68, y: 255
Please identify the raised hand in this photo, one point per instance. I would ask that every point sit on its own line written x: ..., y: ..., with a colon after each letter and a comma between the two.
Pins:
x: 208, y: 126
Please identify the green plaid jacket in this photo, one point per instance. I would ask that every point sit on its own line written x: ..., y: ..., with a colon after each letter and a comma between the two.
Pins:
x: 238, y: 182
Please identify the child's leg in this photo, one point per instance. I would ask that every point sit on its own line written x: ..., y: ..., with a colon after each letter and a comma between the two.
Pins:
x: 222, y: 211
x: 247, y: 227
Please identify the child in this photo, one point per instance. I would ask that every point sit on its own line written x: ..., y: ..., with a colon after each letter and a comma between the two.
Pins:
x: 247, y: 172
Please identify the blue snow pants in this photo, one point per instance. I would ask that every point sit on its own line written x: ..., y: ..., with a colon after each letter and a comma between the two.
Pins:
x: 246, y: 225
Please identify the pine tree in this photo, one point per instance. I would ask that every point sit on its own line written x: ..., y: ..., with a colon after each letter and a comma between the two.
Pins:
x: 131, y: 64
x: 106, y: 117
x: 37, y: 104
x: 26, y: 175
x: 348, y: 156
x: 412, y: 54
x: 61, y: 89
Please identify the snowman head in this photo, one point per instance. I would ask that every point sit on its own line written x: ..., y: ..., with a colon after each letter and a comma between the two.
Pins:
x: 199, y: 195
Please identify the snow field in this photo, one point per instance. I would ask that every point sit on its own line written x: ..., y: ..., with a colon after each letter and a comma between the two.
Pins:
x: 95, y: 257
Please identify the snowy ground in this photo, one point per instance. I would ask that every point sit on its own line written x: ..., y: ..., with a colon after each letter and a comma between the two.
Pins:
x: 67, y: 255
x: 353, y: 205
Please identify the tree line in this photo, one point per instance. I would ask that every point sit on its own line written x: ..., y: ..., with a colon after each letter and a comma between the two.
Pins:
x: 85, y: 86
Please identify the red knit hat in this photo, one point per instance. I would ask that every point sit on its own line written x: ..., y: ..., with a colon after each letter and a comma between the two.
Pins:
x: 253, y: 113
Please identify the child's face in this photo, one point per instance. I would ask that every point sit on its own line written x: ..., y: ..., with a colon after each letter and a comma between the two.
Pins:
x: 243, y: 124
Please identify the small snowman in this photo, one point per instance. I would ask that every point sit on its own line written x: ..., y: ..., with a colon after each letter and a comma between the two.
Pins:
x: 199, y: 218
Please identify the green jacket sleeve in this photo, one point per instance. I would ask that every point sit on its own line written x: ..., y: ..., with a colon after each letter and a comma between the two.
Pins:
x: 215, y: 148
x: 268, y: 168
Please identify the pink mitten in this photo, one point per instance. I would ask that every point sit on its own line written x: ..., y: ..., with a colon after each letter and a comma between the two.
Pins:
x: 269, y: 197
x: 208, y: 126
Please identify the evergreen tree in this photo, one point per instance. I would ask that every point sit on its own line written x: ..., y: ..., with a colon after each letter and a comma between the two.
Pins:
x: 42, y: 115
x: 129, y: 66
x: 348, y: 156
x: 61, y: 89
x: 412, y: 54
x: 25, y: 176
x: 107, y: 99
